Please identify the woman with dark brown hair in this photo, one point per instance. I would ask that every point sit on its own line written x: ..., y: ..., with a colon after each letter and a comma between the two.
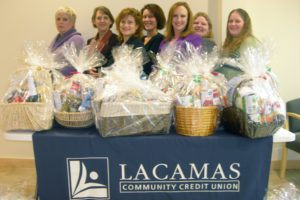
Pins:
x: 154, y: 20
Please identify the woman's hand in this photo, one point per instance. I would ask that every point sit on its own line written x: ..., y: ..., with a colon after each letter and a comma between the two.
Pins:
x: 94, y: 72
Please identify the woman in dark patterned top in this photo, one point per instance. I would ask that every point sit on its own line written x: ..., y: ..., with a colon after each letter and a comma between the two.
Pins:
x: 105, y: 39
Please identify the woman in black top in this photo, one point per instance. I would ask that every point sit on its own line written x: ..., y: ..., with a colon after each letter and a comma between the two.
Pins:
x: 153, y: 20
x: 130, y: 26
x: 104, y: 40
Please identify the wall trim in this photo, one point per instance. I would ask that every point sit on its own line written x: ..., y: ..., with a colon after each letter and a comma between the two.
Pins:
x: 291, y: 164
x: 15, y: 162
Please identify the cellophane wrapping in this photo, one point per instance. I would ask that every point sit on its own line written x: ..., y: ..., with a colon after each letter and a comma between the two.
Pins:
x: 73, y: 95
x: 256, y: 110
x: 199, y: 86
x: 128, y: 105
x: 284, y: 191
x: 27, y: 103
x: 164, y: 75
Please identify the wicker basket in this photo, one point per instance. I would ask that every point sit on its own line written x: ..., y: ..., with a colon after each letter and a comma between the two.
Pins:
x: 26, y: 116
x: 192, y: 121
x: 75, y: 119
x: 131, y: 118
x: 237, y: 121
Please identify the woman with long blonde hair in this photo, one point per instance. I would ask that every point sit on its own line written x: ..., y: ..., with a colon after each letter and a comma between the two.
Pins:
x: 179, y: 27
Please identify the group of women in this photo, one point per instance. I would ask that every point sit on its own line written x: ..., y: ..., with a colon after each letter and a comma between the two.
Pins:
x: 180, y: 26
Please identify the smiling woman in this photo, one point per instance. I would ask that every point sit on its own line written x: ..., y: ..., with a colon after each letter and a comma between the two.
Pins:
x: 180, y: 27
x: 154, y: 20
x: 239, y: 34
x: 130, y: 26
x: 105, y: 39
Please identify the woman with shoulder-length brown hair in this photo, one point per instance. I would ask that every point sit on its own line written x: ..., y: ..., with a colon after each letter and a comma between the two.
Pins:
x: 105, y: 39
x: 179, y: 27
x: 154, y: 20
x: 130, y: 26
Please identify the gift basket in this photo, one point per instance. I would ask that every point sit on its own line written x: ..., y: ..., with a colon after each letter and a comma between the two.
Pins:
x: 73, y: 96
x: 128, y: 105
x: 256, y: 108
x: 27, y: 104
x: 199, y: 93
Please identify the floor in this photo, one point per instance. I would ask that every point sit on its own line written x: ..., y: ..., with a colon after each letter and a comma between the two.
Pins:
x: 18, y: 183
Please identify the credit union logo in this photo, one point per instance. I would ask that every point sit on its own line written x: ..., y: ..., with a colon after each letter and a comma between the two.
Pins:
x: 88, y: 178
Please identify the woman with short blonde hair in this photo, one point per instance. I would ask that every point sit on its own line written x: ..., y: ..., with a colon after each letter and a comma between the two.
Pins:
x: 65, y: 18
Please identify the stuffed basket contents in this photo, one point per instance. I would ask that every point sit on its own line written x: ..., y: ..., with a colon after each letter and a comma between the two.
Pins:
x: 27, y: 104
x: 73, y: 96
x: 256, y: 108
x: 128, y: 105
x: 200, y: 93
x: 72, y: 101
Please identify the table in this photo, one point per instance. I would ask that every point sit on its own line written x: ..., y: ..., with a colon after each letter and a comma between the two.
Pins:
x: 80, y: 164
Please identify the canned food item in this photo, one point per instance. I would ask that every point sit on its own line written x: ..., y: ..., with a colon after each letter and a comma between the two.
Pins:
x: 187, y: 101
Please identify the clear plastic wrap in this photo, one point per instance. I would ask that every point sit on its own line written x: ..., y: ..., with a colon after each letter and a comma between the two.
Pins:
x: 129, y: 105
x: 27, y: 103
x: 85, y: 59
x: 284, y: 191
x: 256, y: 110
x: 164, y: 75
x: 73, y: 96
x: 200, y: 87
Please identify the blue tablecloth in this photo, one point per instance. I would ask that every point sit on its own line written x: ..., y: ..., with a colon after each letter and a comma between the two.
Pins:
x: 80, y: 164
